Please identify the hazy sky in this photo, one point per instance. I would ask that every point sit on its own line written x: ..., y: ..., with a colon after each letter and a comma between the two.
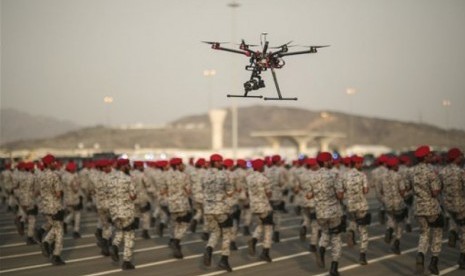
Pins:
x: 61, y: 58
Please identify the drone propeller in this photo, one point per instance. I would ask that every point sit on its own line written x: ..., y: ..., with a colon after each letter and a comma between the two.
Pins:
x: 248, y: 45
x: 287, y: 44
x: 214, y: 42
x: 313, y: 47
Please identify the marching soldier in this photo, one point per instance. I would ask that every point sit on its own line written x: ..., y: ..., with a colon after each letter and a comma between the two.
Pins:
x: 122, y: 211
x: 241, y: 173
x: 355, y: 185
x: 426, y: 188
x: 197, y: 196
x: 327, y: 193
x: 161, y: 210
x: 453, y: 181
x: 233, y: 201
x: 377, y: 176
x: 28, y: 208
x: 50, y: 192
x: 72, y: 199
x: 405, y: 171
x: 216, y: 189
x: 393, y: 191
x: 259, y: 191
x: 144, y: 190
x: 177, y: 189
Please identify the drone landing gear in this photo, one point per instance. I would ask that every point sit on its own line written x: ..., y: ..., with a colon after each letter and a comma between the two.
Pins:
x: 279, y: 98
x: 243, y: 96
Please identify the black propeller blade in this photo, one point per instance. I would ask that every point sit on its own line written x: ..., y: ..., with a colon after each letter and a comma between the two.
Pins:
x: 214, y: 42
x: 287, y: 44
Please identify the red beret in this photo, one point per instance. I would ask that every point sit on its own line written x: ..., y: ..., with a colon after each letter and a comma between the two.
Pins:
x: 346, y: 160
x: 200, y: 162
x: 324, y: 157
x: 20, y: 165
x: 383, y: 159
x: 241, y: 163
x: 175, y: 161
x: 29, y: 165
x: 138, y: 164
x: 310, y: 161
x: 71, y: 167
x: 276, y: 158
x: 393, y: 161
x: 162, y: 163
x: 422, y: 151
x: 404, y: 159
x: 258, y: 164
x: 336, y: 161
x: 8, y: 166
x: 356, y: 159
x: 48, y: 159
x: 453, y: 153
x: 216, y: 158
x: 228, y: 163
x: 122, y: 161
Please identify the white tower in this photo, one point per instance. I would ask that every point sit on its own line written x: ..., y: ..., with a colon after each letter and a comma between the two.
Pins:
x: 217, y: 117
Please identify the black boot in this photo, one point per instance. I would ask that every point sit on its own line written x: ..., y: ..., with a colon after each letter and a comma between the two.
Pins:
x: 462, y: 261
x: 252, y: 243
x: 233, y: 246
x: 56, y: 260
x: 420, y: 263
x: 276, y: 236
x: 452, y: 238
x: 363, y: 258
x: 76, y: 235
x: 312, y: 248
x: 265, y: 256
x: 396, y: 247
x: 303, y: 233
x: 320, y: 257
x: 114, y: 253
x: 145, y: 234
x: 433, y: 265
x: 30, y: 241
x: 408, y: 228
x: 388, y: 235
x: 246, y: 231
x: 127, y: 265
x: 105, y: 250
x: 38, y: 234
x: 333, y: 271
x: 350, y: 238
x: 161, y: 226
x: 46, y: 252
x: 207, y: 256
x: 177, y: 249
x: 98, y: 235
x: 382, y: 217
x: 224, y: 264
x: 194, y: 225
x: 205, y: 236
x: 65, y: 228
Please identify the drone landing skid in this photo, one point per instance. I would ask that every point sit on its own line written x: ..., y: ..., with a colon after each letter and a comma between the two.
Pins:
x: 280, y: 99
x: 243, y: 96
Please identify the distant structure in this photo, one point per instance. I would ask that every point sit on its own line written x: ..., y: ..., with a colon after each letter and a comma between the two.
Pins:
x: 217, y: 117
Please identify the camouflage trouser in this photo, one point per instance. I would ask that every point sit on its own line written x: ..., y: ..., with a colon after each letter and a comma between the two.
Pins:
x: 198, y: 207
x: 31, y: 219
x: 127, y: 237
x: 362, y: 229
x: 75, y: 215
x: 259, y: 229
x: 235, y: 226
x: 424, y: 241
x: 55, y: 234
x: 246, y: 216
x: 310, y: 223
x: 460, y: 231
x: 179, y: 228
x: 395, y: 225
x: 160, y: 214
x: 104, y: 221
x: 336, y: 243
x: 212, y: 221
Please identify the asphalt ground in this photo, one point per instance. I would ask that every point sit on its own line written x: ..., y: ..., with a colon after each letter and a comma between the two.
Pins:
x: 290, y: 256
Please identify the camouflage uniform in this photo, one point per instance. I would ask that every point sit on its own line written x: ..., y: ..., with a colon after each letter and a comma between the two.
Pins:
x: 427, y: 209
x: 143, y: 191
x: 71, y: 199
x: 122, y: 211
x: 50, y: 186
x: 86, y: 186
x: 277, y: 179
x: 243, y: 201
x: 307, y: 178
x: 453, y: 180
x: 7, y: 184
x: 27, y: 202
x: 406, y: 173
x: 197, y: 194
x: 377, y: 176
x: 100, y: 181
x: 354, y: 183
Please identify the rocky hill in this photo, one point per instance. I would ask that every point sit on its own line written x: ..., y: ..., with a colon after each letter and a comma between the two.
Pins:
x: 193, y: 132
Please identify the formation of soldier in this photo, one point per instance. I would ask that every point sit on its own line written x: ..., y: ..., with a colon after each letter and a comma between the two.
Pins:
x: 226, y: 196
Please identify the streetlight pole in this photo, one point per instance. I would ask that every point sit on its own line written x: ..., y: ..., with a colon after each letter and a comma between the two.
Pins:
x: 351, y: 92
x: 234, y: 122
x: 446, y: 104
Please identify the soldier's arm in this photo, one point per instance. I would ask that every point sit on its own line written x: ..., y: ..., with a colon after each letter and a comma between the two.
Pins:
x: 435, y: 185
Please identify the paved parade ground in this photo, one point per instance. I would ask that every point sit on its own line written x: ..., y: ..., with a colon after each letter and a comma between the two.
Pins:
x: 153, y: 257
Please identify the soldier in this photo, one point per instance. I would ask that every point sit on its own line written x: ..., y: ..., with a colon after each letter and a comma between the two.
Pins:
x: 216, y: 189
x: 233, y: 201
x: 259, y: 192
x: 377, y: 175
x: 161, y: 210
x: 197, y: 196
x: 426, y: 189
x: 307, y: 178
x: 17, y: 178
x: 28, y: 208
x: 122, y: 211
x: 277, y: 179
x: 241, y: 173
x: 7, y: 185
x: 86, y: 184
x: 177, y: 189
x: 50, y: 190
x: 355, y: 185
x: 453, y: 181
x: 295, y: 173
x: 327, y: 193
x: 72, y: 199
x: 405, y: 171
x: 393, y: 190
x: 143, y: 190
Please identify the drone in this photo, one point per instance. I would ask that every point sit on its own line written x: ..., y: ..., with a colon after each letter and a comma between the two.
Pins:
x: 262, y: 61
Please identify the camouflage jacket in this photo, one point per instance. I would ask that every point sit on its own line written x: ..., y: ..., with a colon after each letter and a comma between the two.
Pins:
x: 257, y: 188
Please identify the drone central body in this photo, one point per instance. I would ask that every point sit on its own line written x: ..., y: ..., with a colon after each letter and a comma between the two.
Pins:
x: 262, y: 61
